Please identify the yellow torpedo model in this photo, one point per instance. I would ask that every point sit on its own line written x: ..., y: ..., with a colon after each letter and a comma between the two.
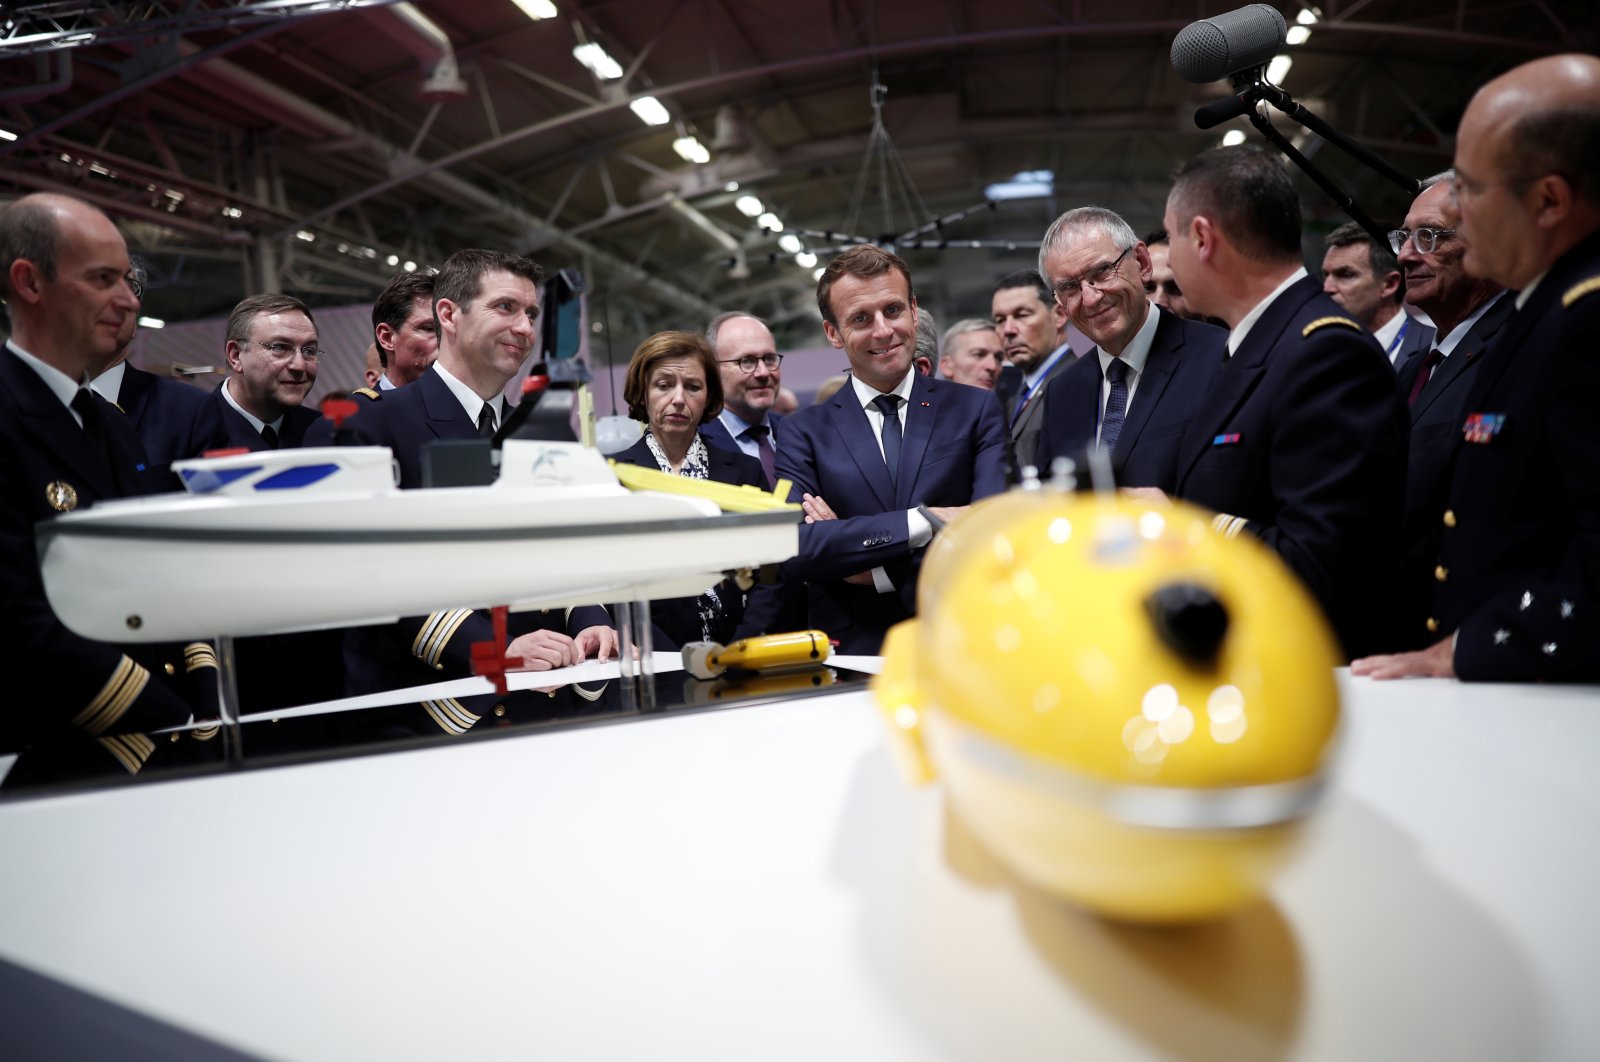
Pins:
x: 1132, y: 711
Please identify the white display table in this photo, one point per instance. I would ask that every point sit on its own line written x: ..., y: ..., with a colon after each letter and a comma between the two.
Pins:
x: 759, y: 883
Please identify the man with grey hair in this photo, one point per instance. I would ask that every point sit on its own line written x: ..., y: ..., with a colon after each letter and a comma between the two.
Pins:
x: 927, y: 353
x: 972, y: 353
x: 1365, y: 279
x: 1150, y: 368
x: 1469, y: 312
x: 751, y: 370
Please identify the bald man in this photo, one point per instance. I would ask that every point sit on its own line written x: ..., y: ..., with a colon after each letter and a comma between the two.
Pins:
x: 1516, y: 593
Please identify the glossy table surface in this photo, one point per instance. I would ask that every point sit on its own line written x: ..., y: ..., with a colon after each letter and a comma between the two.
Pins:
x: 760, y: 882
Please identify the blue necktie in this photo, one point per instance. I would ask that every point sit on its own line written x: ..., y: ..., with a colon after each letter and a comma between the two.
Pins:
x: 1116, y: 405
x: 889, y: 406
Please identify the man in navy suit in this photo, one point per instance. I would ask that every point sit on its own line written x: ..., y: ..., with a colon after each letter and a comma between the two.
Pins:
x: 882, y: 464
x: 1034, y: 329
x: 272, y: 361
x: 751, y: 370
x: 1134, y: 394
x: 1365, y: 279
x: 161, y: 409
x: 487, y: 303
x: 1469, y: 311
x: 1301, y: 440
x: 1516, y: 591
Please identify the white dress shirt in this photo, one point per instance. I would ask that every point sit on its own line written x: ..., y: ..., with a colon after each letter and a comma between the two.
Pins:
x: 255, y: 422
x: 1134, y: 356
x: 918, y: 531
x: 469, y: 399
x: 1248, y: 321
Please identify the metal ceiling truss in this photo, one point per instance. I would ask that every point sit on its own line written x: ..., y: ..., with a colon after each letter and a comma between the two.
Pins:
x: 30, y: 28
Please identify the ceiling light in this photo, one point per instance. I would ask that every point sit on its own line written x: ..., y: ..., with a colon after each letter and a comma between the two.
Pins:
x: 598, y: 60
x: 393, y: 259
x: 410, y: 267
x: 232, y: 212
x: 650, y: 111
x: 306, y: 235
x: 537, y: 9
x: 805, y: 259
x: 769, y: 220
x: 749, y: 206
x: 152, y: 322
x: 816, y: 274
x: 1299, y: 34
x: 1278, y: 69
x: 691, y: 150
x: 789, y: 242
x: 6, y: 134
x: 1029, y: 184
x: 731, y: 186
x: 1232, y: 137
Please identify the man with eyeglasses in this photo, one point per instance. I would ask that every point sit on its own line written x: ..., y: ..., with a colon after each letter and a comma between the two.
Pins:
x: 1034, y: 328
x: 65, y: 278
x: 272, y: 361
x: 1468, y: 311
x: 1132, y: 396
x: 1515, y: 594
x: 1364, y: 278
x: 1301, y: 438
x: 750, y: 365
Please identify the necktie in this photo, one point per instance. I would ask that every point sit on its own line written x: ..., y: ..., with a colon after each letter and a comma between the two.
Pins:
x: 93, y: 429
x: 769, y: 458
x: 486, y: 421
x: 1116, y: 405
x: 270, y: 435
x: 1426, y: 370
x: 889, y: 406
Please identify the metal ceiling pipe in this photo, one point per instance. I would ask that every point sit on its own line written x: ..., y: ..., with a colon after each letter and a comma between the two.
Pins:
x: 275, y: 102
x: 718, y: 235
x: 425, y: 39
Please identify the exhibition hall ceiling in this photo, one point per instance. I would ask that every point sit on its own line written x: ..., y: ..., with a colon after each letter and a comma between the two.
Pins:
x: 319, y: 146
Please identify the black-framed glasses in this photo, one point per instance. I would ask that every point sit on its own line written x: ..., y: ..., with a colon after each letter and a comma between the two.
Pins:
x: 279, y: 350
x: 1070, y: 291
x: 748, y: 363
x: 1422, y: 238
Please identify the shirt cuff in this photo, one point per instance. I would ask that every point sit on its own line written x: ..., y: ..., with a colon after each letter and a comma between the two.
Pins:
x: 920, y: 532
x: 880, y: 581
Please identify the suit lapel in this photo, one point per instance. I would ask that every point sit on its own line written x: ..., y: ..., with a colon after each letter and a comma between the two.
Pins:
x: 40, y: 413
x: 446, y: 418
x: 1471, y: 346
x: 1164, y: 348
x: 1241, y: 373
x: 134, y: 397
x: 850, y: 421
x: 920, y: 417
x: 1030, y: 412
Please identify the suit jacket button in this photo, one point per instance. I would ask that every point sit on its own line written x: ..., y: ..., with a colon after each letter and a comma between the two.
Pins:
x: 1433, y: 625
x: 1441, y: 573
x: 1449, y: 518
x: 866, y: 542
x: 169, y: 669
x: 500, y: 711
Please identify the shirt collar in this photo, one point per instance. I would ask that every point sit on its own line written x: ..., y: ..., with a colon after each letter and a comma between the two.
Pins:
x: 1448, y: 344
x: 255, y: 422
x: 61, y: 385
x: 109, y: 383
x: 737, y: 425
x: 1137, y: 352
x: 1032, y: 379
x: 469, y: 399
x: 1527, y: 293
x: 386, y: 384
x: 866, y: 394
x: 1242, y: 329
x: 1385, y: 334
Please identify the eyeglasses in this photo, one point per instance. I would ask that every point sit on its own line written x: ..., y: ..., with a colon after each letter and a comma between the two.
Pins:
x: 1423, y: 239
x: 748, y: 363
x: 1070, y: 291
x: 278, y: 350
x: 134, y: 286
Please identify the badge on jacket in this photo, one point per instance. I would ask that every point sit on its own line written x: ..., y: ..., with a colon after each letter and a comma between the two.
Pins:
x: 1482, y: 428
x: 61, y: 496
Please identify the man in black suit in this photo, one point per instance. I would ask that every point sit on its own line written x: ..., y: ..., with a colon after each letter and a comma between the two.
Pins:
x: 1034, y: 329
x: 1364, y: 278
x: 65, y: 281
x: 882, y: 464
x: 1134, y: 393
x: 1516, y: 593
x: 487, y: 303
x: 272, y: 361
x: 751, y: 370
x: 1301, y: 440
x: 403, y: 329
x: 161, y: 409
x: 1468, y: 312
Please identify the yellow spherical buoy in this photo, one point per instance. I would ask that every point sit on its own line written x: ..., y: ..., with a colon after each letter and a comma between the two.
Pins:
x: 1133, y: 711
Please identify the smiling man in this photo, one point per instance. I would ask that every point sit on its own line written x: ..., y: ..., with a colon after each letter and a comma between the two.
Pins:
x: 1133, y: 395
x: 883, y: 463
x: 272, y: 360
x: 751, y: 371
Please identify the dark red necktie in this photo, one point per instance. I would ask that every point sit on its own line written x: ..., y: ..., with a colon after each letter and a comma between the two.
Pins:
x: 1433, y: 358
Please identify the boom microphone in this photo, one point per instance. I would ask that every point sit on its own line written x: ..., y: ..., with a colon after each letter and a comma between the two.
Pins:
x: 1214, y: 48
x: 1228, y: 107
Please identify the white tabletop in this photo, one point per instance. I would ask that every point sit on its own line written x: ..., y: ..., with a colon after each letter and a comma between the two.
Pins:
x: 760, y: 883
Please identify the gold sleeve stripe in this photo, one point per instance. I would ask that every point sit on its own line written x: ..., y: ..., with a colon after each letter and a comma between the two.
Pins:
x: 450, y: 715
x: 127, y: 681
x: 131, y: 750
x: 206, y: 732
x: 1228, y: 526
x: 1579, y: 290
x: 197, y: 655
x: 1324, y: 322
x: 436, y: 632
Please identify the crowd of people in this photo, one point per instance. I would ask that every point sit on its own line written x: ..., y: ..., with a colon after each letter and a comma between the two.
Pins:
x: 1412, y: 434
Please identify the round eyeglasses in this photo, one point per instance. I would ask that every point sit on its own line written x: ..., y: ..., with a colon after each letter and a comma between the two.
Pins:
x: 748, y: 363
x: 1422, y: 238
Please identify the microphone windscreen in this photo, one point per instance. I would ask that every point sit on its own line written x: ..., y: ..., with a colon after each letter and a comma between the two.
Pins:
x: 1214, y: 48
